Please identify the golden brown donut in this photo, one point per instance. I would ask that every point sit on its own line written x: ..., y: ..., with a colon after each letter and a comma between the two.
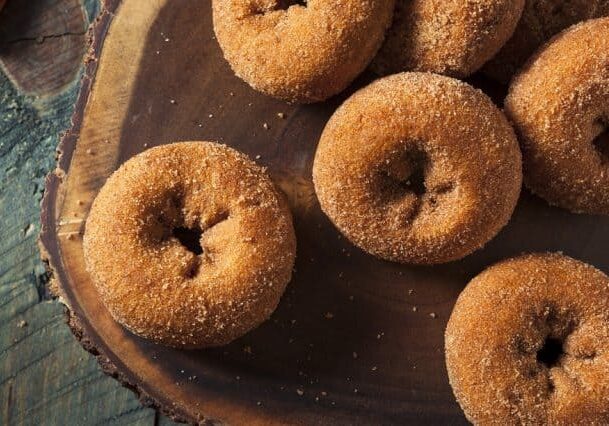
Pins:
x: 300, y: 51
x: 452, y: 37
x: 559, y: 104
x: 418, y: 168
x: 541, y: 20
x: 156, y: 282
x: 528, y: 344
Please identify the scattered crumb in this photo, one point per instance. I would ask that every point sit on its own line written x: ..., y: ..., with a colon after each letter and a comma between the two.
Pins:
x: 211, y: 116
x: 410, y: 291
x: 414, y: 309
x: 354, y: 355
x: 281, y: 115
x: 433, y: 315
x: 258, y: 157
x: 329, y: 315
x: 259, y: 403
x: 22, y: 324
x: 373, y: 368
x: 265, y: 126
x: 247, y: 349
x: 300, y: 392
x: 172, y: 101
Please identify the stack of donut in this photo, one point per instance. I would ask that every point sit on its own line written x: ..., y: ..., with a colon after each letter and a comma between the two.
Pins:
x: 417, y: 168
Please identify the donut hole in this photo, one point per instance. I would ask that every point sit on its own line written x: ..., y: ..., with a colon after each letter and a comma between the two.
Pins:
x: 286, y: 4
x: 190, y: 238
x: 404, y: 175
x: 264, y: 7
x: 601, y: 141
x: 550, y: 353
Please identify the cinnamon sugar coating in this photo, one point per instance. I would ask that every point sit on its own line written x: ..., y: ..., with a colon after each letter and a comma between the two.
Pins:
x: 451, y: 37
x: 300, y: 51
x: 528, y: 344
x: 157, y: 287
x: 559, y: 104
x: 541, y: 20
x: 418, y: 168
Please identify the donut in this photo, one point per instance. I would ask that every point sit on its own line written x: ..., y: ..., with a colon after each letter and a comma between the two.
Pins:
x: 541, y: 20
x: 559, y: 104
x: 418, y: 168
x: 451, y: 37
x: 528, y: 344
x: 300, y: 51
x: 189, y: 245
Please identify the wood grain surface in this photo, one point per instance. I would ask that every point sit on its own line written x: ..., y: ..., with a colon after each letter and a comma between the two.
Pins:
x: 355, y: 340
x: 46, y: 378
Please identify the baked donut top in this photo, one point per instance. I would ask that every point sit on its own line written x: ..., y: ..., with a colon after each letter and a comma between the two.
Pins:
x: 560, y: 104
x: 300, y: 51
x: 190, y: 243
x: 419, y: 168
x: 528, y: 343
x: 451, y: 37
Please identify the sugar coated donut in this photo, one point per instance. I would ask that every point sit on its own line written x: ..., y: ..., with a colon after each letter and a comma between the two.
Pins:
x: 190, y: 245
x: 541, y: 20
x: 418, y: 168
x: 452, y: 37
x: 300, y: 51
x: 528, y: 344
x: 559, y: 104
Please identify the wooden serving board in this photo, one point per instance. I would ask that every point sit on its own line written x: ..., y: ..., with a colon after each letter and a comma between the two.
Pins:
x: 355, y: 340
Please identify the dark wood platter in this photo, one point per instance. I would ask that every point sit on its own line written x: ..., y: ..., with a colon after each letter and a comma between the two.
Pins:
x: 355, y: 340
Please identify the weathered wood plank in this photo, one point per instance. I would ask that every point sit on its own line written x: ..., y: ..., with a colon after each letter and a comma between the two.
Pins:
x: 45, y: 375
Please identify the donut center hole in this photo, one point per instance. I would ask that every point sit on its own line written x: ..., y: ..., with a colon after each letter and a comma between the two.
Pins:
x: 601, y: 141
x: 405, y: 175
x: 286, y: 4
x: 551, y: 352
x: 263, y: 7
x: 190, y: 238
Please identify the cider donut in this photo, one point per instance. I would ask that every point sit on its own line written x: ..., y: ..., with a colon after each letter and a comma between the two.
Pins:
x: 528, y: 344
x: 300, y: 51
x: 541, y: 20
x: 190, y: 245
x: 451, y: 37
x: 559, y: 104
x: 418, y: 168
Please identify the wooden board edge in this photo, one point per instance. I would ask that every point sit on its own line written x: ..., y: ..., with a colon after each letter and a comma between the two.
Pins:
x: 47, y: 243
